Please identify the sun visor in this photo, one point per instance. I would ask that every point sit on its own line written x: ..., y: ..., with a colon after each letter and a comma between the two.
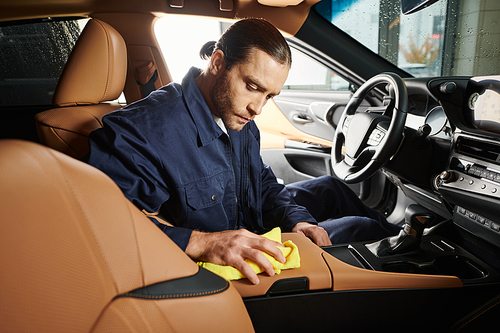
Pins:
x: 280, y: 3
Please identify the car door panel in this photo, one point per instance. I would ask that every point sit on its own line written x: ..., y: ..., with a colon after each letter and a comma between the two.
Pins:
x: 291, y: 147
x: 314, y: 113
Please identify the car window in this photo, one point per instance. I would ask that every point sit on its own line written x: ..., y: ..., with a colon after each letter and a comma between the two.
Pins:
x: 449, y: 37
x: 308, y: 74
x: 33, y: 57
x: 181, y: 49
x: 305, y: 74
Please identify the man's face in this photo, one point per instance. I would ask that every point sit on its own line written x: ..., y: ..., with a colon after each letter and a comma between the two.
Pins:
x: 239, y: 94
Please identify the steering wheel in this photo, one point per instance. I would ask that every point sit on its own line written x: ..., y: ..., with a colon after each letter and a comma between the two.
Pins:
x: 372, y: 137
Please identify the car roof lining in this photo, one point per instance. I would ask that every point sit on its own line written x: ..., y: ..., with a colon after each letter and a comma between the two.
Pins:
x: 289, y: 20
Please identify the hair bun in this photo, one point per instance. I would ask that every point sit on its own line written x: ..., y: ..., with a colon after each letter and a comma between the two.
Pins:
x: 207, y: 49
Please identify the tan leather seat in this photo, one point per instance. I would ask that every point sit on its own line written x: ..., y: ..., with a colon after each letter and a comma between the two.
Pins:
x: 77, y: 256
x: 93, y: 77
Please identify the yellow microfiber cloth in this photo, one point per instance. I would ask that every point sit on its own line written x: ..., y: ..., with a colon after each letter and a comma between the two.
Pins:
x: 290, y: 251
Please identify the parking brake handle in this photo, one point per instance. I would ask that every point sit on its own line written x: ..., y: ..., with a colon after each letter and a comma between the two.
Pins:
x: 417, y: 218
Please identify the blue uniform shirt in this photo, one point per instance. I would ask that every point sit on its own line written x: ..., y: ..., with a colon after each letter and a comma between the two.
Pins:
x: 166, y: 151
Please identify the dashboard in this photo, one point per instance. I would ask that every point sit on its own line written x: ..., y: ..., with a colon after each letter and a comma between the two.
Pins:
x: 450, y: 158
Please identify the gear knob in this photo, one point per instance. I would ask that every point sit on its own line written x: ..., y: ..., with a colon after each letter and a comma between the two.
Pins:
x: 417, y: 218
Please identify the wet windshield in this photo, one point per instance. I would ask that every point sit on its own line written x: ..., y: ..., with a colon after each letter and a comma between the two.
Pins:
x: 450, y: 37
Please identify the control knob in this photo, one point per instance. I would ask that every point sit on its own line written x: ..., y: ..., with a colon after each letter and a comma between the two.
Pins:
x: 447, y: 176
x: 448, y: 87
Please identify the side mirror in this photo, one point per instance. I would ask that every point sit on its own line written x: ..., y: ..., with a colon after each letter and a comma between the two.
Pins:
x: 412, y: 6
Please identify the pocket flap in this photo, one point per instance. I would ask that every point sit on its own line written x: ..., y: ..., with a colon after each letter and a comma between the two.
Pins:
x: 204, y: 192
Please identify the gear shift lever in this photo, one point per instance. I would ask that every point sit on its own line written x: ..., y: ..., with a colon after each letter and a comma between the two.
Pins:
x: 417, y: 219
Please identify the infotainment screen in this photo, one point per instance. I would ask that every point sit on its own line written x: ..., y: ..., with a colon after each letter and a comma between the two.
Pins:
x: 485, y: 103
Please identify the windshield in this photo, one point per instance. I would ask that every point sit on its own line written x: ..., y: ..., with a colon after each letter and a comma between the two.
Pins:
x: 450, y: 37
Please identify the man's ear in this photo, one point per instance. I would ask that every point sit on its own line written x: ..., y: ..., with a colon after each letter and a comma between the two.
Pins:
x: 217, y: 62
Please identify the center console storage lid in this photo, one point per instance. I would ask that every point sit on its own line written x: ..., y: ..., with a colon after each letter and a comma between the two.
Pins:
x: 313, y: 273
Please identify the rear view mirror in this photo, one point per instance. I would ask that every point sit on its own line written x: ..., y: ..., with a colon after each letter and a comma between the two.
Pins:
x: 412, y: 6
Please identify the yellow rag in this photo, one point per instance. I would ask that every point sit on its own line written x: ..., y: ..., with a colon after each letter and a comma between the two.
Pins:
x: 290, y: 251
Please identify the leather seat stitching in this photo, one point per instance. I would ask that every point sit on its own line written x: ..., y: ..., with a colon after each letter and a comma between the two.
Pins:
x: 206, y: 293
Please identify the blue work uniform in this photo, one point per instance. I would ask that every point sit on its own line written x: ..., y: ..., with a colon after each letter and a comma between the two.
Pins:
x: 167, y: 152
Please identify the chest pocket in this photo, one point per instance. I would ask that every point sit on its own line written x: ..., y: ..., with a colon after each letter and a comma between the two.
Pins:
x: 205, y: 193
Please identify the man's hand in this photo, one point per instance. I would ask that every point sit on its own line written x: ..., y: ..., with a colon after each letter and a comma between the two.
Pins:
x: 232, y: 248
x: 317, y: 234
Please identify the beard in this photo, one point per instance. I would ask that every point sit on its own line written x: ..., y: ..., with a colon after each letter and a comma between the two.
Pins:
x: 223, y: 103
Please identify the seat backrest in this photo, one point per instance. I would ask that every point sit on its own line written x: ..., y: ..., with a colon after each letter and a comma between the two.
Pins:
x: 93, y: 77
x: 77, y: 256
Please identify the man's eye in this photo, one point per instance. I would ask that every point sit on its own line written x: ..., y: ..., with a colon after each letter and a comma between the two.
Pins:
x: 252, y: 87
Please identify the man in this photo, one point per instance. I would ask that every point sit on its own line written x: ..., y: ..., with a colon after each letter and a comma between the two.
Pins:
x: 192, y: 152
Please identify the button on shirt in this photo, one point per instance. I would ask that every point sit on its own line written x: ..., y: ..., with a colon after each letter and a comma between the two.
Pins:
x: 167, y: 153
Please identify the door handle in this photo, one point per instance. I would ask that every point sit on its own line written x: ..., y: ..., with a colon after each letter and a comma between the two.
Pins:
x: 302, y: 118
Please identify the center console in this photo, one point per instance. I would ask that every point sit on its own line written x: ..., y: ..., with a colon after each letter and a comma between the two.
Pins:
x: 436, y: 255
x: 429, y: 253
x: 340, y: 284
x: 472, y: 183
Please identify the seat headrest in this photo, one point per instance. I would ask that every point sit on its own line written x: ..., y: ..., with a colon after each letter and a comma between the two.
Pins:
x: 96, y: 69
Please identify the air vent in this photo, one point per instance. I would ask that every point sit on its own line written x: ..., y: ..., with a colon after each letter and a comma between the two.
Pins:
x: 482, y: 150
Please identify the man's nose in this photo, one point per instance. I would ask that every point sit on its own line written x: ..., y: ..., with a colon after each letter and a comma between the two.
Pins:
x: 256, y: 106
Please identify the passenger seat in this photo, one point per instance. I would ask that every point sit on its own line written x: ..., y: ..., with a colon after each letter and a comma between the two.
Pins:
x: 77, y: 256
x: 91, y: 82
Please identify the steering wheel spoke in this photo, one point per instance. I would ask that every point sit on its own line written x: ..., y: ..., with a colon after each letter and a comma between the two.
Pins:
x: 376, y: 136
x: 370, y: 138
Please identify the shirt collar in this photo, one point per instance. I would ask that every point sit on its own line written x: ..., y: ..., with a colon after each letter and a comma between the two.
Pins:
x: 208, y: 130
x: 220, y: 123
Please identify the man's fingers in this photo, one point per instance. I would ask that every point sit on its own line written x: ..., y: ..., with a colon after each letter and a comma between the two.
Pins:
x: 248, y: 272
x: 258, y: 258
x: 264, y: 244
x: 317, y: 234
x: 232, y: 248
x: 271, y: 248
x: 320, y: 236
